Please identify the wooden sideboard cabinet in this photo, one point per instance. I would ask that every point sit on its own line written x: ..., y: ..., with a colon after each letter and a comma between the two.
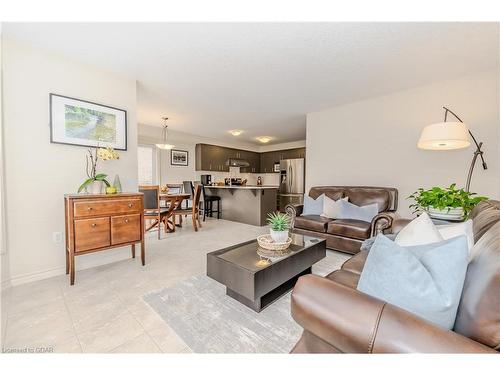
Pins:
x: 101, y: 222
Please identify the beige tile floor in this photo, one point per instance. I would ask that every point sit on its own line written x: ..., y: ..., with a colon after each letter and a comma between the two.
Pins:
x: 104, y: 311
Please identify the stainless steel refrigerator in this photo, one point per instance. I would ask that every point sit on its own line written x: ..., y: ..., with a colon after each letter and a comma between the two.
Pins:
x: 292, y: 178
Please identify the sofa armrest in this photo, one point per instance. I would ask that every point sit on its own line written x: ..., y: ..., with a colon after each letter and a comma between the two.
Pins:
x: 382, y: 223
x: 353, y: 322
x: 399, y: 224
x: 294, y: 210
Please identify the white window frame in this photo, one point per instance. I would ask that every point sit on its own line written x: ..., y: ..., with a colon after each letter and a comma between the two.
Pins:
x: 154, y: 161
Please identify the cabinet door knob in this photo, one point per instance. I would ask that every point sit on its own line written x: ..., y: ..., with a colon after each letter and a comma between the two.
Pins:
x: 131, y: 205
x: 94, y: 225
x: 126, y: 220
x: 89, y: 208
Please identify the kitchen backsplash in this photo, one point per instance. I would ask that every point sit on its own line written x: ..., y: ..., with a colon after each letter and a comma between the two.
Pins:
x: 269, y: 179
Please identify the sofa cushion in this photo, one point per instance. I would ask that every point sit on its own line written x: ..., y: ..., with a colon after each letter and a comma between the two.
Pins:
x: 313, y: 206
x: 426, y: 280
x: 365, y: 196
x: 419, y: 231
x: 348, y: 210
x: 356, y: 263
x: 350, y: 228
x: 313, y: 223
x: 332, y: 192
x: 345, y: 278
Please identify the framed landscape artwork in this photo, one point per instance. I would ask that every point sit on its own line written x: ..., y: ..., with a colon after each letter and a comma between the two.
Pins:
x: 179, y: 157
x: 83, y: 123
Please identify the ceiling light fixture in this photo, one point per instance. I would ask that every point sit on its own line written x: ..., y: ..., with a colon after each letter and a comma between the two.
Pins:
x: 164, y: 137
x: 236, y: 132
x: 264, y: 139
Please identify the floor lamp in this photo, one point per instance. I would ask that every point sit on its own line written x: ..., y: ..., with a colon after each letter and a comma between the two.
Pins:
x: 451, y: 135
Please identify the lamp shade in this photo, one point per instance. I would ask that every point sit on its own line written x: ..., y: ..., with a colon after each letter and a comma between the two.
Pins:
x: 444, y: 136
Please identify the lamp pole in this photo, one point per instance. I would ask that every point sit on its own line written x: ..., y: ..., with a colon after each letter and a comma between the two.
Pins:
x: 477, y: 152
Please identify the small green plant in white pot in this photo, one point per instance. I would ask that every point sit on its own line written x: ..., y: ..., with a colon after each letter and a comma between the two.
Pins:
x: 445, y: 203
x: 280, y: 225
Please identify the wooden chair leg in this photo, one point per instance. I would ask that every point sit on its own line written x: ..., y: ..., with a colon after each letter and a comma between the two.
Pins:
x: 133, y: 250
x: 198, y: 218
x: 194, y: 223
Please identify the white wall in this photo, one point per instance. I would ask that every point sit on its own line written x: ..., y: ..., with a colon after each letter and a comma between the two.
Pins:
x: 374, y: 142
x: 38, y: 173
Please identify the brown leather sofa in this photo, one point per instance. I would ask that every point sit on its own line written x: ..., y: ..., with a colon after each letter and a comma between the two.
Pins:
x: 337, y: 318
x: 347, y: 235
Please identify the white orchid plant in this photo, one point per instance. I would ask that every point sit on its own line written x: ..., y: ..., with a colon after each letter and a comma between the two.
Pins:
x: 91, y: 159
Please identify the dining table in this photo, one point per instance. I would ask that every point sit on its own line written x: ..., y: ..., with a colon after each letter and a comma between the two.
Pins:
x: 173, y: 201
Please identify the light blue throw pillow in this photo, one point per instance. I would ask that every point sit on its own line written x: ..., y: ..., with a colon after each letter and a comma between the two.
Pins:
x: 313, y: 206
x: 426, y: 280
x: 347, y: 210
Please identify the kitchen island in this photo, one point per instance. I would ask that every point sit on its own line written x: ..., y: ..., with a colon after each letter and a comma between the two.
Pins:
x: 249, y: 204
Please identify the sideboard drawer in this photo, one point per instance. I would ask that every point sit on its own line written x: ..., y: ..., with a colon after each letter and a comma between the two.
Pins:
x: 125, y: 228
x: 107, y: 207
x: 92, y: 233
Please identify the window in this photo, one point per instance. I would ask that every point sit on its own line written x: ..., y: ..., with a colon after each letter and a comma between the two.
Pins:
x: 146, y: 156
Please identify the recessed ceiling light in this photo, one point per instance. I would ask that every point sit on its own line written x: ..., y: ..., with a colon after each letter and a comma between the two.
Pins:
x: 236, y: 132
x: 264, y: 139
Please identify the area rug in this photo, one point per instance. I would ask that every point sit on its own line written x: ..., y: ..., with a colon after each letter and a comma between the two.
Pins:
x: 208, y: 321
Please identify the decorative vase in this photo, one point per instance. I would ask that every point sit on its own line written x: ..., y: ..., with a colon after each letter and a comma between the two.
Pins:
x: 117, y: 184
x: 95, y: 187
x: 448, y: 213
x: 279, y: 236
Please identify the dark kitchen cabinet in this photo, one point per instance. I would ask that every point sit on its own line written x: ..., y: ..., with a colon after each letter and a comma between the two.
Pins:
x: 210, y: 158
x: 214, y: 158
x: 267, y: 161
x: 253, y: 159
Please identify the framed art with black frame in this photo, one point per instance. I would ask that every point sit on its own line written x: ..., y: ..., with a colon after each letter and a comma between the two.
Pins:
x: 179, y: 157
x: 83, y: 123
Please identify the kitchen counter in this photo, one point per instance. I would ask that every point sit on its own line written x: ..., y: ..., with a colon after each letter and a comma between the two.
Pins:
x: 248, y: 204
x: 255, y: 187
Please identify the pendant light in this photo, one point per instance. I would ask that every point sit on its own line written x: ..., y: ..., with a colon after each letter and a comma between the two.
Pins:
x: 164, y: 145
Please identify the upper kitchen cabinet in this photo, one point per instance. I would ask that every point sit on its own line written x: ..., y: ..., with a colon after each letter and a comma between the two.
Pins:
x: 269, y: 159
x: 214, y: 158
x: 210, y: 158
x: 253, y: 159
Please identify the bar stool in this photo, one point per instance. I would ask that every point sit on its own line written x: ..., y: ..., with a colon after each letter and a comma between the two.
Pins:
x: 208, y: 204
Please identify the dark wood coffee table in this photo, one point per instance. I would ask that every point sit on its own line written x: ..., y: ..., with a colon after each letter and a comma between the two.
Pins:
x: 256, y: 281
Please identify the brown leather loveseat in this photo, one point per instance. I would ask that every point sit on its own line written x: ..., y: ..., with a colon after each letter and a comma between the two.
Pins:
x: 337, y: 318
x: 347, y: 235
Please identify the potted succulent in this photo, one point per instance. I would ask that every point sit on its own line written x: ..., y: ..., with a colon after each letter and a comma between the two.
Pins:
x: 445, y: 203
x: 280, y: 224
x: 94, y: 183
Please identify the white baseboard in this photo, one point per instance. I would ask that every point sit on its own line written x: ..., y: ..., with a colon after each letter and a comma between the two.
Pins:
x: 82, y: 262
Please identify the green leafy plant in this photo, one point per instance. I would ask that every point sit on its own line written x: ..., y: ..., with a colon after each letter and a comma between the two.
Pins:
x: 278, y: 221
x: 444, y: 198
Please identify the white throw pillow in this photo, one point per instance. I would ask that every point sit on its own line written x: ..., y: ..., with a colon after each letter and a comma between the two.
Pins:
x: 419, y: 231
x: 448, y: 231
x: 331, y: 208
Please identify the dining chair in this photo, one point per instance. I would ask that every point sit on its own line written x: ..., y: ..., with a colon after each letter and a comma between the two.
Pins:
x: 188, y: 189
x: 174, y: 188
x: 194, y: 211
x: 152, y: 209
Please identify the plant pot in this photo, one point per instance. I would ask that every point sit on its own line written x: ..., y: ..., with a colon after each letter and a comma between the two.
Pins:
x: 95, y: 187
x: 279, y: 236
x: 448, y: 213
